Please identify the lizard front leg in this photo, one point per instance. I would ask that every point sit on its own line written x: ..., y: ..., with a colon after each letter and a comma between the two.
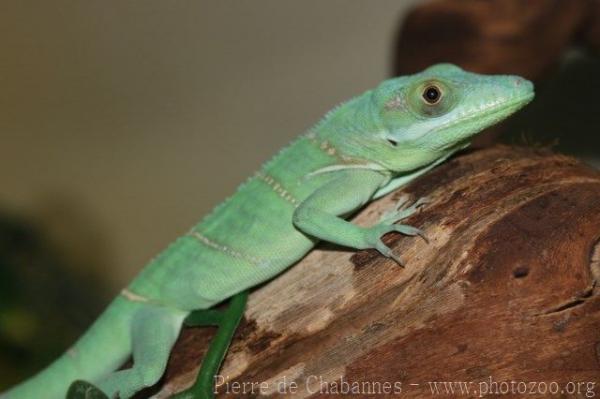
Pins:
x: 321, y: 214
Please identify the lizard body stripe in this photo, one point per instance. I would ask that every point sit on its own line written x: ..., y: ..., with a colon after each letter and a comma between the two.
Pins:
x: 133, y: 297
x: 328, y: 148
x: 224, y: 248
x: 72, y: 352
x: 278, y: 188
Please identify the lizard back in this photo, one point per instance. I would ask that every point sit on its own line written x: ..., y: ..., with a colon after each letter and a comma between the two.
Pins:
x: 245, y: 240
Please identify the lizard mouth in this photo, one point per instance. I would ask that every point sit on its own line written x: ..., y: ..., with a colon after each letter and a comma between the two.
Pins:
x: 501, y: 111
x: 474, y: 122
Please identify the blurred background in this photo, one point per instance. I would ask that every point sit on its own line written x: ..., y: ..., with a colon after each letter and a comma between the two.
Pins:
x: 122, y: 123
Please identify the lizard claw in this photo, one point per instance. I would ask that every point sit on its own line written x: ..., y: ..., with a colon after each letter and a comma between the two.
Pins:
x: 422, y: 201
x: 388, y: 253
x: 377, y: 231
x: 402, y: 201
x: 424, y: 237
x: 401, y: 211
x: 410, y: 231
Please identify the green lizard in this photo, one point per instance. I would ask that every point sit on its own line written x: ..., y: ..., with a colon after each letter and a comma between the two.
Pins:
x: 359, y: 151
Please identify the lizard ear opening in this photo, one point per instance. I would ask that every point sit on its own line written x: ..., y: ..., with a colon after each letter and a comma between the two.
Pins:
x: 392, y: 142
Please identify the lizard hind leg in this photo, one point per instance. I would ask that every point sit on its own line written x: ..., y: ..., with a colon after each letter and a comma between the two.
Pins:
x: 154, y: 330
x: 227, y: 321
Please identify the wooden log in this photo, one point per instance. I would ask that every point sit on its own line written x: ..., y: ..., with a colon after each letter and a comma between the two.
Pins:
x: 506, y: 290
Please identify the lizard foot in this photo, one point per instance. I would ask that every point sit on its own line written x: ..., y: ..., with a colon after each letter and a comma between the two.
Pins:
x: 402, y: 210
x: 375, y: 233
x: 84, y: 390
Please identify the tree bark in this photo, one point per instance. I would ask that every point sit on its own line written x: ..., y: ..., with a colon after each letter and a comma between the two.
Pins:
x: 505, y: 290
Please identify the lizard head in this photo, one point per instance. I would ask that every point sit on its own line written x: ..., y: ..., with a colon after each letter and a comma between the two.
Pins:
x: 411, y: 121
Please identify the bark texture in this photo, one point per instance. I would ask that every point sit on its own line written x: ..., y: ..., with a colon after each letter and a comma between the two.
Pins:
x: 505, y: 290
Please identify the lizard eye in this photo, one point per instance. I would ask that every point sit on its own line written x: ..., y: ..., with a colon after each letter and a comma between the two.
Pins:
x: 432, y: 94
x: 431, y: 98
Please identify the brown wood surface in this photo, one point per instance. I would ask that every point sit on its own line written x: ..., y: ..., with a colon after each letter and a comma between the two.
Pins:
x: 523, y: 37
x: 506, y: 290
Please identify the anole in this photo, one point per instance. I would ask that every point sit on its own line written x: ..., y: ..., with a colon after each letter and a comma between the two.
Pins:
x: 359, y: 151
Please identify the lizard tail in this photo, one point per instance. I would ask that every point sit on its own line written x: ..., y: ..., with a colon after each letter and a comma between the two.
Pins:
x: 101, y: 350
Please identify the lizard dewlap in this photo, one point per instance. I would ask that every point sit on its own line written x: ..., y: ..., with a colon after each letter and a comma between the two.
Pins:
x: 361, y: 150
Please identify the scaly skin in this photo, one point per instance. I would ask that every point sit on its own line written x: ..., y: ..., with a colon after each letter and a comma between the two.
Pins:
x: 361, y: 150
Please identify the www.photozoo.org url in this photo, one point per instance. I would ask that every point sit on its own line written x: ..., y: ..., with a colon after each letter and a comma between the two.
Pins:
x: 490, y: 387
